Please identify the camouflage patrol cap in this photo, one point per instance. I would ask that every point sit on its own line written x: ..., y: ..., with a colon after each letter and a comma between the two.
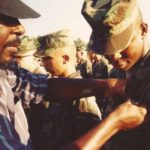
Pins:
x: 112, y: 24
x: 80, y: 45
x: 28, y: 46
x: 17, y: 9
x: 52, y: 42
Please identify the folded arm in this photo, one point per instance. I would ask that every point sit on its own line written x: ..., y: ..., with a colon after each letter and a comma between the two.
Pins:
x: 126, y: 116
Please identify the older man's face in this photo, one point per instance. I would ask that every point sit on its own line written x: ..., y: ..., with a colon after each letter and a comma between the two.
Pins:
x: 10, y: 29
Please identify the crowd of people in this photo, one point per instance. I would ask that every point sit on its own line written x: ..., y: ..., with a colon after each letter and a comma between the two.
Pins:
x: 57, y: 92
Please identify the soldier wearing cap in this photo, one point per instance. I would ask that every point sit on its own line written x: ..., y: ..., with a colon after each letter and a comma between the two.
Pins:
x: 120, y: 34
x: 18, y: 86
x: 99, y: 65
x: 83, y: 63
x: 70, y: 120
x: 25, y: 56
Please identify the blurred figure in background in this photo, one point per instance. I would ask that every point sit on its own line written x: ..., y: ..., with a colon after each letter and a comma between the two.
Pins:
x: 83, y: 63
x: 99, y: 65
x: 25, y: 55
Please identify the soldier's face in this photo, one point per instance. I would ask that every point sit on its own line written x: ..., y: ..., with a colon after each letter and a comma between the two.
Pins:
x: 93, y: 56
x: 10, y: 29
x: 127, y: 58
x: 81, y: 56
x: 54, y: 65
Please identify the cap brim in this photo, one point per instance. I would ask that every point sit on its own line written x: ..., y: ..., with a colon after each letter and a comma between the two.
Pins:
x: 17, y: 9
x: 25, y: 53
x: 46, y: 53
x: 111, y: 45
x: 120, y: 42
x: 49, y: 52
x: 39, y: 53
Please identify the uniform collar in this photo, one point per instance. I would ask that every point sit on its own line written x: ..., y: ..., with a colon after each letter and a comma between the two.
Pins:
x: 140, y: 63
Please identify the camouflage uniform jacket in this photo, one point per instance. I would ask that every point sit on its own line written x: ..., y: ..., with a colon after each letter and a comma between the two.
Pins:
x: 99, y: 70
x: 138, y: 89
x: 85, y: 68
x: 69, y: 121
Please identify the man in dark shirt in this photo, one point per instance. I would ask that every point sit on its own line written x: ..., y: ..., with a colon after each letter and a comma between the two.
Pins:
x: 119, y: 33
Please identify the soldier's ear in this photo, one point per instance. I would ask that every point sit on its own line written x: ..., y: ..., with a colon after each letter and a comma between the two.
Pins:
x: 144, y: 29
x: 65, y: 58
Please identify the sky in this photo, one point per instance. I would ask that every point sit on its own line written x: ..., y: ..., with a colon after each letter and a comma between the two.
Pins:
x: 62, y: 14
x: 57, y: 15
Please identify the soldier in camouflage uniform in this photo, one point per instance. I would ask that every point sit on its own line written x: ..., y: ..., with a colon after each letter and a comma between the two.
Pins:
x: 99, y: 65
x: 83, y: 63
x: 120, y: 34
x: 25, y: 55
x: 68, y: 121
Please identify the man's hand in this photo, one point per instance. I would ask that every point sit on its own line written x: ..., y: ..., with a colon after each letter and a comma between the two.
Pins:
x: 129, y: 115
x: 125, y: 116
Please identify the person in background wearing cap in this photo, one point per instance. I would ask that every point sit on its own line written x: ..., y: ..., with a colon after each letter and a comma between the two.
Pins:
x: 70, y: 120
x: 17, y: 85
x: 119, y: 33
x: 100, y: 68
x: 83, y: 63
x: 25, y: 58
x: 99, y: 65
